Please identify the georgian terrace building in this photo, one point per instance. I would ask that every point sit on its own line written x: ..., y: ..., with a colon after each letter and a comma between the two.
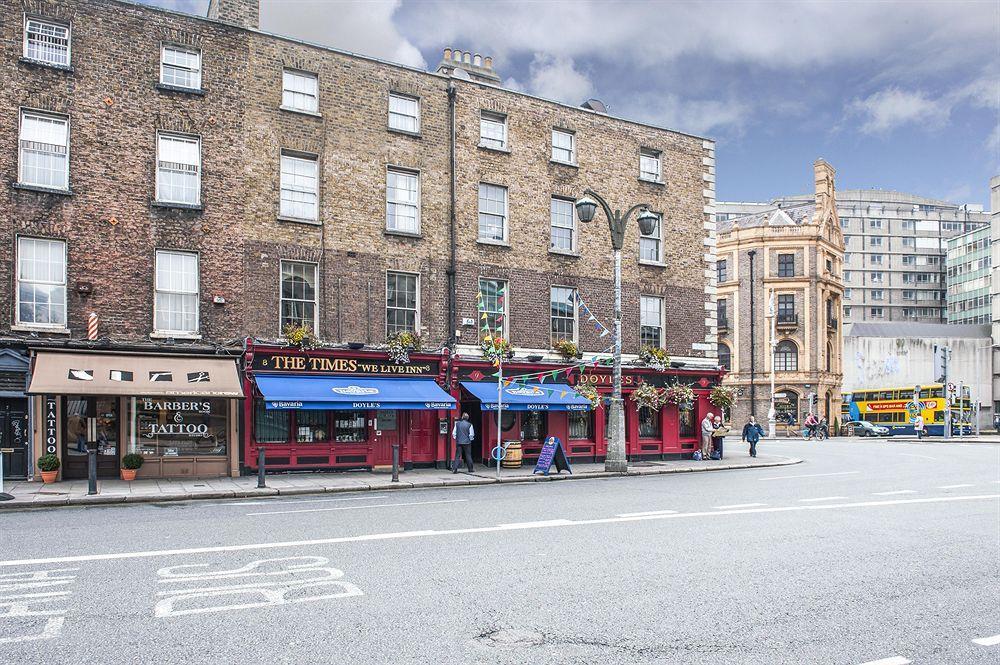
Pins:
x: 196, y: 182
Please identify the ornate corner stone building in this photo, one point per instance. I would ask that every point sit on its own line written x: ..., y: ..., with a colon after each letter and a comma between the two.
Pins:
x: 795, y: 253
x: 194, y: 181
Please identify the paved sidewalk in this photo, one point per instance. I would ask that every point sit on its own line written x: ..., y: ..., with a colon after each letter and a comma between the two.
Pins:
x: 74, y: 492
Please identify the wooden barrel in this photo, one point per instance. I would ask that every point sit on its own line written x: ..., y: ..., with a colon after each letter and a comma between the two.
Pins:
x: 512, y: 458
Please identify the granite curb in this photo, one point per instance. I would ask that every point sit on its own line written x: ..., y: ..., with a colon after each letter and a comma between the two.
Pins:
x: 460, y: 481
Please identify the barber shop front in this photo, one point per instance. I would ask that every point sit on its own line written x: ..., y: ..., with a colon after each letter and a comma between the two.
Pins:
x: 179, y: 412
x: 343, y: 408
x: 544, y: 405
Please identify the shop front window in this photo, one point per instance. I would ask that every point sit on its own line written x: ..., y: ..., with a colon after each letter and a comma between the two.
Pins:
x: 270, y: 426
x: 349, y: 427
x: 581, y: 425
x: 171, y: 427
x: 105, y: 409
x: 649, y: 423
x: 686, y: 421
x: 507, y: 420
x: 533, y: 425
x: 311, y: 426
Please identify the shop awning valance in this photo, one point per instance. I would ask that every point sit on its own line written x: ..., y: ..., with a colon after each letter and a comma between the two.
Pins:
x: 529, y: 396
x: 282, y: 391
x: 72, y: 373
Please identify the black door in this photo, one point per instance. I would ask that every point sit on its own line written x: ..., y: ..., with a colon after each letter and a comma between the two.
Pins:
x: 14, y: 434
x: 76, y: 411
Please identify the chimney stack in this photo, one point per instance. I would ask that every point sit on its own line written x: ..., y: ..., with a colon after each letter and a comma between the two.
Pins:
x: 826, y: 198
x: 244, y: 13
x: 477, y: 66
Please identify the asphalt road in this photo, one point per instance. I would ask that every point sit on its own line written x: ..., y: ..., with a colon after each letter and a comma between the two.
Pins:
x: 867, y: 552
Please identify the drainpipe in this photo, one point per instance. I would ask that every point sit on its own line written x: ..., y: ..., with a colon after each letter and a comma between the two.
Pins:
x: 452, y: 260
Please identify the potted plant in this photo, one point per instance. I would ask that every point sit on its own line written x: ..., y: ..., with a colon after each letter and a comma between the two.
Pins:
x: 654, y: 356
x: 648, y: 396
x: 130, y: 464
x: 300, y: 336
x: 567, y: 348
x: 682, y: 396
x: 401, y: 344
x: 589, y: 392
x: 49, y: 466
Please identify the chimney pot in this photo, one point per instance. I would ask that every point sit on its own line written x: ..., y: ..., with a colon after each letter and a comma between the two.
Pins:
x: 456, y: 55
x: 477, y: 60
x: 467, y: 58
x: 447, y: 54
x: 488, y: 62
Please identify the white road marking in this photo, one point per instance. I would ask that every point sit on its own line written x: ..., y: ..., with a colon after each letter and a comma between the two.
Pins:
x: 823, y: 498
x: 894, y: 492
x: 279, y: 502
x: 32, y: 617
x: 895, y: 660
x: 540, y: 524
x: 648, y: 512
x: 812, y: 475
x: 953, y: 487
x: 920, y: 456
x: 987, y: 641
x: 402, y: 535
x: 740, y: 505
x: 374, y: 505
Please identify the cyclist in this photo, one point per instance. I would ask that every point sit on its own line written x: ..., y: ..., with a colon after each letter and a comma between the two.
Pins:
x: 811, y: 423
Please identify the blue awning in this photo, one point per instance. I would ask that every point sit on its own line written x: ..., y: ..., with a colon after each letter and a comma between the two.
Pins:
x: 282, y: 391
x: 529, y: 396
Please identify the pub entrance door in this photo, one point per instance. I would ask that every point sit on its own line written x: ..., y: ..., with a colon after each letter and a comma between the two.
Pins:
x: 14, y: 435
x: 389, y: 427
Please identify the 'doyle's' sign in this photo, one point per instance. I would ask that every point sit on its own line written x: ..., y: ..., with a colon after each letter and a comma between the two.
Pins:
x: 177, y: 413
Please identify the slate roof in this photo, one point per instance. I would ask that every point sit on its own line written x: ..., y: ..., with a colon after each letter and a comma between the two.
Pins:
x: 796, y: 215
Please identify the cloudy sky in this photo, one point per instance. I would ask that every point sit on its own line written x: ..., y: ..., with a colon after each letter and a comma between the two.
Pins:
x: 896, y: 95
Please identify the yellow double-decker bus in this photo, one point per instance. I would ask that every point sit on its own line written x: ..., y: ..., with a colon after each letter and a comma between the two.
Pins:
x: 895, y: 409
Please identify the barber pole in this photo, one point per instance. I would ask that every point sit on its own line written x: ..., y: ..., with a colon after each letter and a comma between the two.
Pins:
x: 92, y: 325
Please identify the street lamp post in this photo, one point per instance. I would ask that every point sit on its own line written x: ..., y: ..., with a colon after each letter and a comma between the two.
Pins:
x: 615, y: 460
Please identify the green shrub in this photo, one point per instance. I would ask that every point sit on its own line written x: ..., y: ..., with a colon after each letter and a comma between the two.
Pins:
x: 132, y: 461
x: 48, y: 462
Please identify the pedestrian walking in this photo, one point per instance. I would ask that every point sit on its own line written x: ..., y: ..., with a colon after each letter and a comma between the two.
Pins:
x: 463, y: 433
x: 707, y: 428
x: 918, y: 426
x: 752, y: 433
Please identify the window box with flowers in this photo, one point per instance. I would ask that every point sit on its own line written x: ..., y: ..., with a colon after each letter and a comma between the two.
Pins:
x: 300, y: 336
x: 401, y: 344
x: 654, y: 357
x: 568, y: 349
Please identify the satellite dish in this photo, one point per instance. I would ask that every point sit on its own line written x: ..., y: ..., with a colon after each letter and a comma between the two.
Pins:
x: 460, y: 73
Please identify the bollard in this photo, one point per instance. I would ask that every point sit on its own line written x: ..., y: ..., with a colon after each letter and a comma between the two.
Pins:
x: 395, y: 462
x: 260, y: 468
x: 91, y: 468
x: 4, y: 496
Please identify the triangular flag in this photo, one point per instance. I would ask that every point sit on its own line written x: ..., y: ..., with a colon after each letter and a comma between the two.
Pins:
x: 484, y: 316
x: 606, y: 331
x: 562, y: 394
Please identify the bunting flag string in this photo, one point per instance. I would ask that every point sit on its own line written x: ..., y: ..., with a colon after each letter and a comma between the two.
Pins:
x: 599, y: 328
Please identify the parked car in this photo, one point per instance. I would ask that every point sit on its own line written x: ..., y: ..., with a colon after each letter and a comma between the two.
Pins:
x: 865, y: 428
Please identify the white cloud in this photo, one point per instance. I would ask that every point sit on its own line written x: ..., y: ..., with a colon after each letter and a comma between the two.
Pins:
x: 363, y: 27
x: 958, y: 194
x: 697, y: 116
x: 558, y: 78
x: 892, y: 107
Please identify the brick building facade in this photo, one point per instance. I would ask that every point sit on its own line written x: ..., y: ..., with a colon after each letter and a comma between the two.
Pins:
x: 206, y: 182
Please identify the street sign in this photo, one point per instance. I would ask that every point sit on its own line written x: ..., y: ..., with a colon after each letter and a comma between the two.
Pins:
x: 552, y: 452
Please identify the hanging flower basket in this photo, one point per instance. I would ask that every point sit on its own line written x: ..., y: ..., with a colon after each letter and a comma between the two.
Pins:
x: 589, y: 392
x: 400, y: 346
x: 654, y: 357
x: 679, y: 395
x: 300, y: 336
x: 722, y: 397
x: 648, y: 396
x: 497, y: 348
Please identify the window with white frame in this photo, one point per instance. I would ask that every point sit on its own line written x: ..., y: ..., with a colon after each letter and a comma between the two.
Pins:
x: 563, y: 222
x: 299, y: 91
x: 46, y: 42
x: 649, y: 164
x: 876, y: 312
x: 298, y: 294
x: 876, y: 259
x: 878, y: 294
x: 563, y: 146
x: 176, y: 301
x: 562, y: 304
x: 650, y: 321
x: 492, y: 213
x: 495, y: 305
x: 178, y: 169
x: 402, y: 303
x: 875, y: 241
x: 180, y: 66
x: 402, y: 201
x: 299, y: 187
x: 493, y: 130
x: 44, y: 150
x: 909, y: 242
x: 651, y: 246
x: 875, y: 277
x: 41, y: 282
x: 404, y: 113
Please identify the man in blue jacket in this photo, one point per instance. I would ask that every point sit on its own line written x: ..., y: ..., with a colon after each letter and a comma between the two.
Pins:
x: 752, y: 432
